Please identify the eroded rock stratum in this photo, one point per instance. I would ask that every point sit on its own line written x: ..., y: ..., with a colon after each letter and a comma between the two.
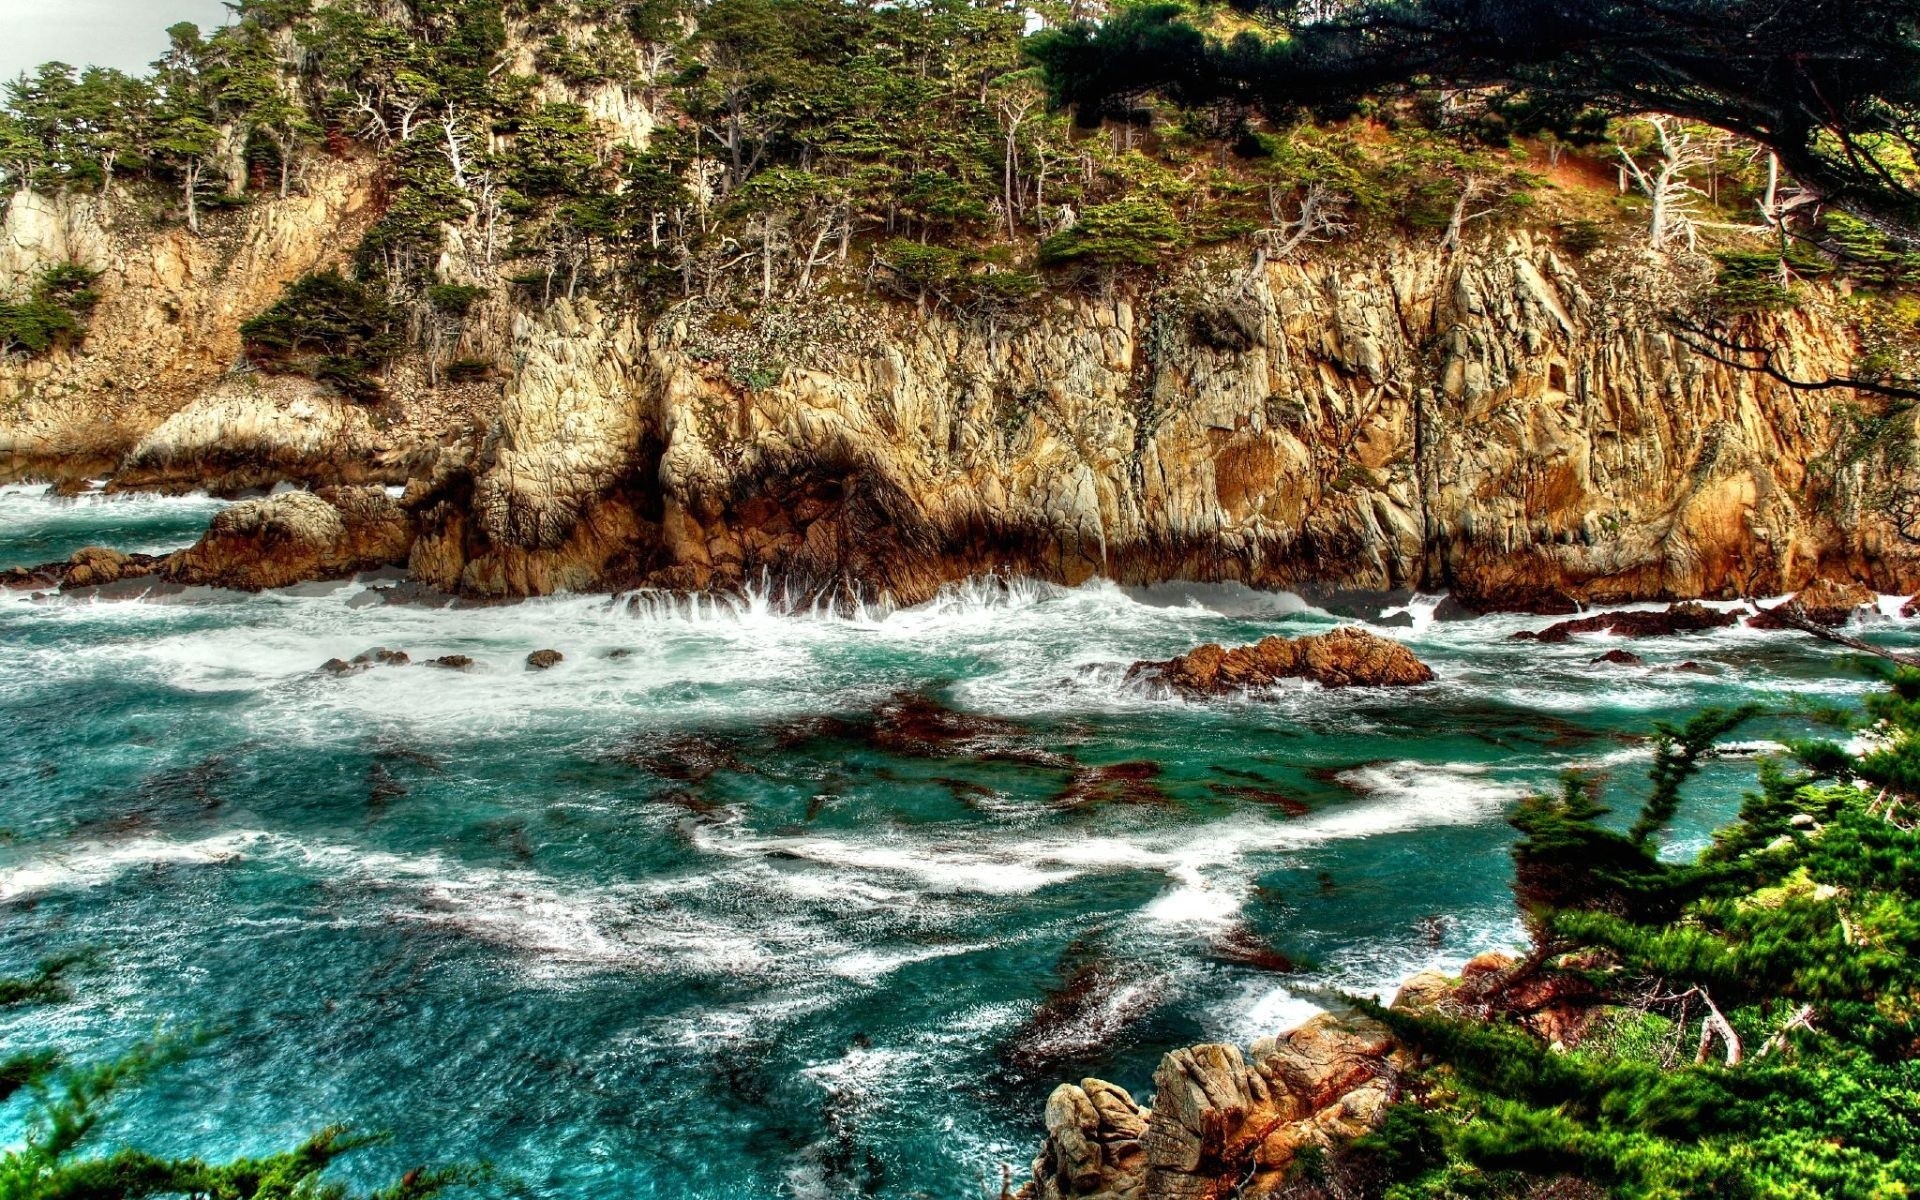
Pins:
x: 1498, y: 420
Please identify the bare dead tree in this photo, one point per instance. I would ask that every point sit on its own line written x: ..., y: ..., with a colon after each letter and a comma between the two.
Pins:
x: 1321, y: 218
x: 1476, y: 188
x: 1014, y: 108
x: 1730, y: 351
x: 374, y: 127
x: 456, y: 146
x: 1665, y: 183
x: 1794, y: 616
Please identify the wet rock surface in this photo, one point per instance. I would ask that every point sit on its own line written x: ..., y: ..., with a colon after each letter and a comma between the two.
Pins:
x: 541, y: 660
x: 1346, y: 657
x: 281, y: 540
x: 1684, y: 617
x: 1827, y: 602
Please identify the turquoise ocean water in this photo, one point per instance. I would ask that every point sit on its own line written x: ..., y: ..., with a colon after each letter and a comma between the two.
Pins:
x: 734, y: 903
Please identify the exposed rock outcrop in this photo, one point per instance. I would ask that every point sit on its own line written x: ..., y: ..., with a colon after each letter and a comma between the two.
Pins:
x: 167, y: 323
x: 1346, y: 657
x: 285, y: 539
x: 1221, y: 1123
x: 1686, y: 617
x: 1498, y: 422
x: 1826, y: 602
x: 89, y: 567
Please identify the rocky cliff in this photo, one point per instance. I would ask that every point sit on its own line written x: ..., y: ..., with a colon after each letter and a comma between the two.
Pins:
x: 1502, y: 420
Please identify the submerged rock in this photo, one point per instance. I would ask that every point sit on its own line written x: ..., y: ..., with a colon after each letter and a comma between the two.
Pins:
x: 1113, y: 783
x: 1825, y: 602
x: 1686, y: 617
x: 452, y: 662
x: 540, y: 660
x: 286, y: 539
x: 1346, y: 657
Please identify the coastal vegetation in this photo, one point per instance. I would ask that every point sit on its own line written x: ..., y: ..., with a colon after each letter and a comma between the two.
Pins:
x: 1748, y: 1019
x: 976, y: 154
x: 61, y: 1106
x: 1746, y: 1022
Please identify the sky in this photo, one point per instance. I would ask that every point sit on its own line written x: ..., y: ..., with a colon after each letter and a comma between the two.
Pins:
x: 127, y: 34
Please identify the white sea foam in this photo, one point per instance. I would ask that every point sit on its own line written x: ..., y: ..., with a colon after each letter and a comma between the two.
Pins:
x: 92, y: 864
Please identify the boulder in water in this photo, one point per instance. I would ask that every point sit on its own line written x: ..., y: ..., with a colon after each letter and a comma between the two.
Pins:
x: 540, y: 660
x: 1825, y: 602
x: 1911, y: 608
x: 1625, y: 658
x: 287, y: 539
x: 1346, y: 657
x: 1689, y: 616
x: 452, y: 662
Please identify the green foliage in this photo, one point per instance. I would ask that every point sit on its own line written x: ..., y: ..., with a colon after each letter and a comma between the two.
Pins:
x: 1749, y: 281
x: 1867, y: 253
x: 1799, y: 926
x: 1121, y: 233
x: 454, y: 299
x: 52, y: 314
x: 1848, y: 73
x: 1583, y: 237
x: 955, y: 276
x: 329, y: 327
x: 67, y: 1105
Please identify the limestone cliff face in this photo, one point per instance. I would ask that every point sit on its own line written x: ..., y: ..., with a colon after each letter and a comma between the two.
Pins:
x: 167, y: 326
x: 1496, y: 420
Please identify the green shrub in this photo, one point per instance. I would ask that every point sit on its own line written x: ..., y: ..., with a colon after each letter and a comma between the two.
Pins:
x: 1749, y: 281
x: 1581, y: 238
x: 958, y: 276
x: 54, y: 313
x: 454, y: 299
x: 330, y: 328
x: 1123, y: 233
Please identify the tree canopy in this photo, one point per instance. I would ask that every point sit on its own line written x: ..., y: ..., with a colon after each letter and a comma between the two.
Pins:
x: 1831, y: 86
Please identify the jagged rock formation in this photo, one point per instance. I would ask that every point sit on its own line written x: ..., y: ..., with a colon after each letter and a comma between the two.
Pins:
x: 1824, y: 602
x: 167, y: 325
x: 88, y: 567
x: 1345, y: 657
x: 329, y: 534
x: 1685, y: 617
x: 1486, y: 422
x: 1498, y: 421
x: 1221, y: 1123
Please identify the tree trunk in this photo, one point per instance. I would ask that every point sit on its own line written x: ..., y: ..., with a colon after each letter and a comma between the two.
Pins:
x: 193, y: 195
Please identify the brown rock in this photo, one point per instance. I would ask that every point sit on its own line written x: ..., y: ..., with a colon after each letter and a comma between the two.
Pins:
x: 452, y: 662
x: 1222, y: 1123
x: 1345, y: 657
x: 540, y: 660
x: 286, y: 539
x: 1686, y: 617
x: 96, y: 565
x: 1911, y: 608
x: 1625, y: 658
x: 1825, y: 602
